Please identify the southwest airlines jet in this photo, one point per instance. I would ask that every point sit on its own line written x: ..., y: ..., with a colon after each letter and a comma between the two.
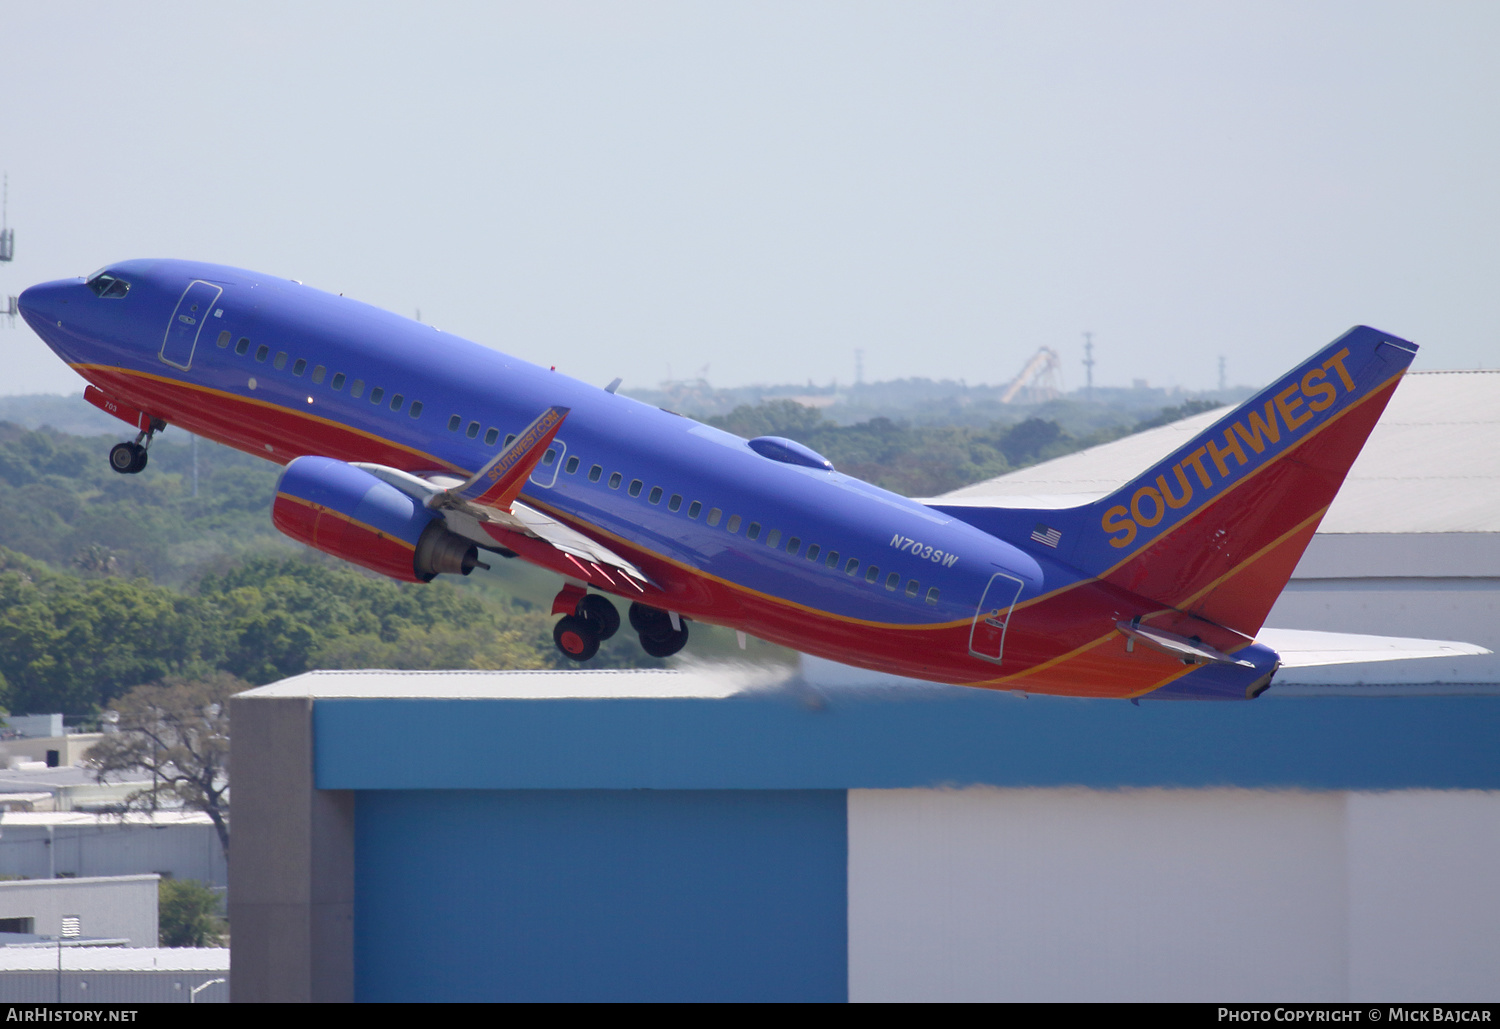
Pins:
x: 414, y: 453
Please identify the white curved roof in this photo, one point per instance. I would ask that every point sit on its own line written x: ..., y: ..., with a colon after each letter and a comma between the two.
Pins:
x: 1431, y: 465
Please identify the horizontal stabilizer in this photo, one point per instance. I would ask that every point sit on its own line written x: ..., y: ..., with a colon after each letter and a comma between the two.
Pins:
x: 1306, y: 648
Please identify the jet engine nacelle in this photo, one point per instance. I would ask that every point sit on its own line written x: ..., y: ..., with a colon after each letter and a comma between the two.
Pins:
x: 349, y: 513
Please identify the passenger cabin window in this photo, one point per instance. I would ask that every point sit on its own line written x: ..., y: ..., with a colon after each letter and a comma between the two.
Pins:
x: 932, y: 595
x: 852, y: 566
x: 675, y: 502
x: 376, y: 394
x: 892, y: 581
x: 615, y: 478
x: 338, y: 381
x: 654, y: 496
x: 733, y: 524
x: 454, y: 421
x: 243, y: 346
x: 549, y: 458
x: 871, y: 574
x: 473, y: 430
x: 833, y: 559
x: 595, y: 472
x: 280, y: 361
x: 635, y: 487
x: 416, y: 409
x: 491, y: 436
x: 572, y: 465
x: 262, y: 352
x: 753, y: 531
x: 773, y: 537
x: 793, y: 545
x: 510, y: 438
x: 714, y: 516
x: 224, y: 339
x: 812, y: 551
x: 694, y: 508
x: 912, y: 588
x: 318, y: 374
x: 356, y: 388
x: 300, y: 366
x: 396, y: 401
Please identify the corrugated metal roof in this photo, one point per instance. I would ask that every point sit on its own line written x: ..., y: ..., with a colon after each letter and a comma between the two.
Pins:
x: 116, y: 959
x: 86, y: 818
x: 1431, y: 465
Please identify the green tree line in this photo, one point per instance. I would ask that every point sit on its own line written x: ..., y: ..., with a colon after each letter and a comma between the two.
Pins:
x: 75, y: 644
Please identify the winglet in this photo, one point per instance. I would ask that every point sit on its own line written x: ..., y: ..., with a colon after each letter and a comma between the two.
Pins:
x: 499, y: 482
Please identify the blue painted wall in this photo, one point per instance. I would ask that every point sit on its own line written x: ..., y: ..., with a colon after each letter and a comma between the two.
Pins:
x: 893, y: 738
x: 601, y: 895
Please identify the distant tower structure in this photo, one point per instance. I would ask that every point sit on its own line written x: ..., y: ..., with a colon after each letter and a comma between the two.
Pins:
x: 7, y: 234
x: 859, y: 367
x: 1223, y: 382
x: 1038, y: 379
x: 1088, y: 366
x: 8, y: 249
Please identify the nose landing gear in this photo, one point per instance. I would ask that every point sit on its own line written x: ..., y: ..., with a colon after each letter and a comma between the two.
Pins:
x: 130, y: 458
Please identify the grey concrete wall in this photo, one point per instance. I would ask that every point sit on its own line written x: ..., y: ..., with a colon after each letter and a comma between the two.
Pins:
x: 123, y: 907
x: 291, y: 877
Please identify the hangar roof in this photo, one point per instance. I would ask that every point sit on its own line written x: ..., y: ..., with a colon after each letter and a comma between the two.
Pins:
x: 711, y: 681
x: 1431, y: 465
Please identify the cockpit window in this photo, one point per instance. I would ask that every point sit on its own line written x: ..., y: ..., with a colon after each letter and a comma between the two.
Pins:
x: 110, y: 287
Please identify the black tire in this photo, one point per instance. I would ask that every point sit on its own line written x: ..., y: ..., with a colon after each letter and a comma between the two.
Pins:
x: 140, y: 459
x: 650, y: 621
x: 599, y: 613
x: 122, y: 458
x: 575, y: 638
x: 665, y: 646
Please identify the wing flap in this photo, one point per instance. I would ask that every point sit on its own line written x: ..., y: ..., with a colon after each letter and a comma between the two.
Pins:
x: 468, y: 518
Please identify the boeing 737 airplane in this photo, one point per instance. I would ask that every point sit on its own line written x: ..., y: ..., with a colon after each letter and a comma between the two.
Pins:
x: 415, y: 453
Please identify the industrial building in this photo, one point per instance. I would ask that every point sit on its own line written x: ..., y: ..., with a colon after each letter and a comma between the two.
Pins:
x: 104, y: 911
x: 712, y: 834
x: 114, y: 975
x: 176, y: 843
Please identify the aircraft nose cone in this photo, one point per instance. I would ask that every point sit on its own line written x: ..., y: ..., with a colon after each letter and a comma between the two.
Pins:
x: 47, y: 303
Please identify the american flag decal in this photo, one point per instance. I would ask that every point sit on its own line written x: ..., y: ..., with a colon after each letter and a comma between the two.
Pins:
x: 1048, y: 537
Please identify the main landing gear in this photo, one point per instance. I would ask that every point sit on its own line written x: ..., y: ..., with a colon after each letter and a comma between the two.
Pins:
x: 594, y: 620
x: 662, y: 633
x: 130, y: 458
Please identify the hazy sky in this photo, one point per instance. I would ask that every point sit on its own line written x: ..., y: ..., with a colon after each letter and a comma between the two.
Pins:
x: 628, y: 188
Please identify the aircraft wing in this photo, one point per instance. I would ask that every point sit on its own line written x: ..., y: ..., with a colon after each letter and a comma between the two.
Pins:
x: 467, y: 517
x: 1305, y: 648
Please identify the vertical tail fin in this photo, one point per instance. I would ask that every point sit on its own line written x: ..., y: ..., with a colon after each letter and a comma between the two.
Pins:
x: 1216, y: 528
